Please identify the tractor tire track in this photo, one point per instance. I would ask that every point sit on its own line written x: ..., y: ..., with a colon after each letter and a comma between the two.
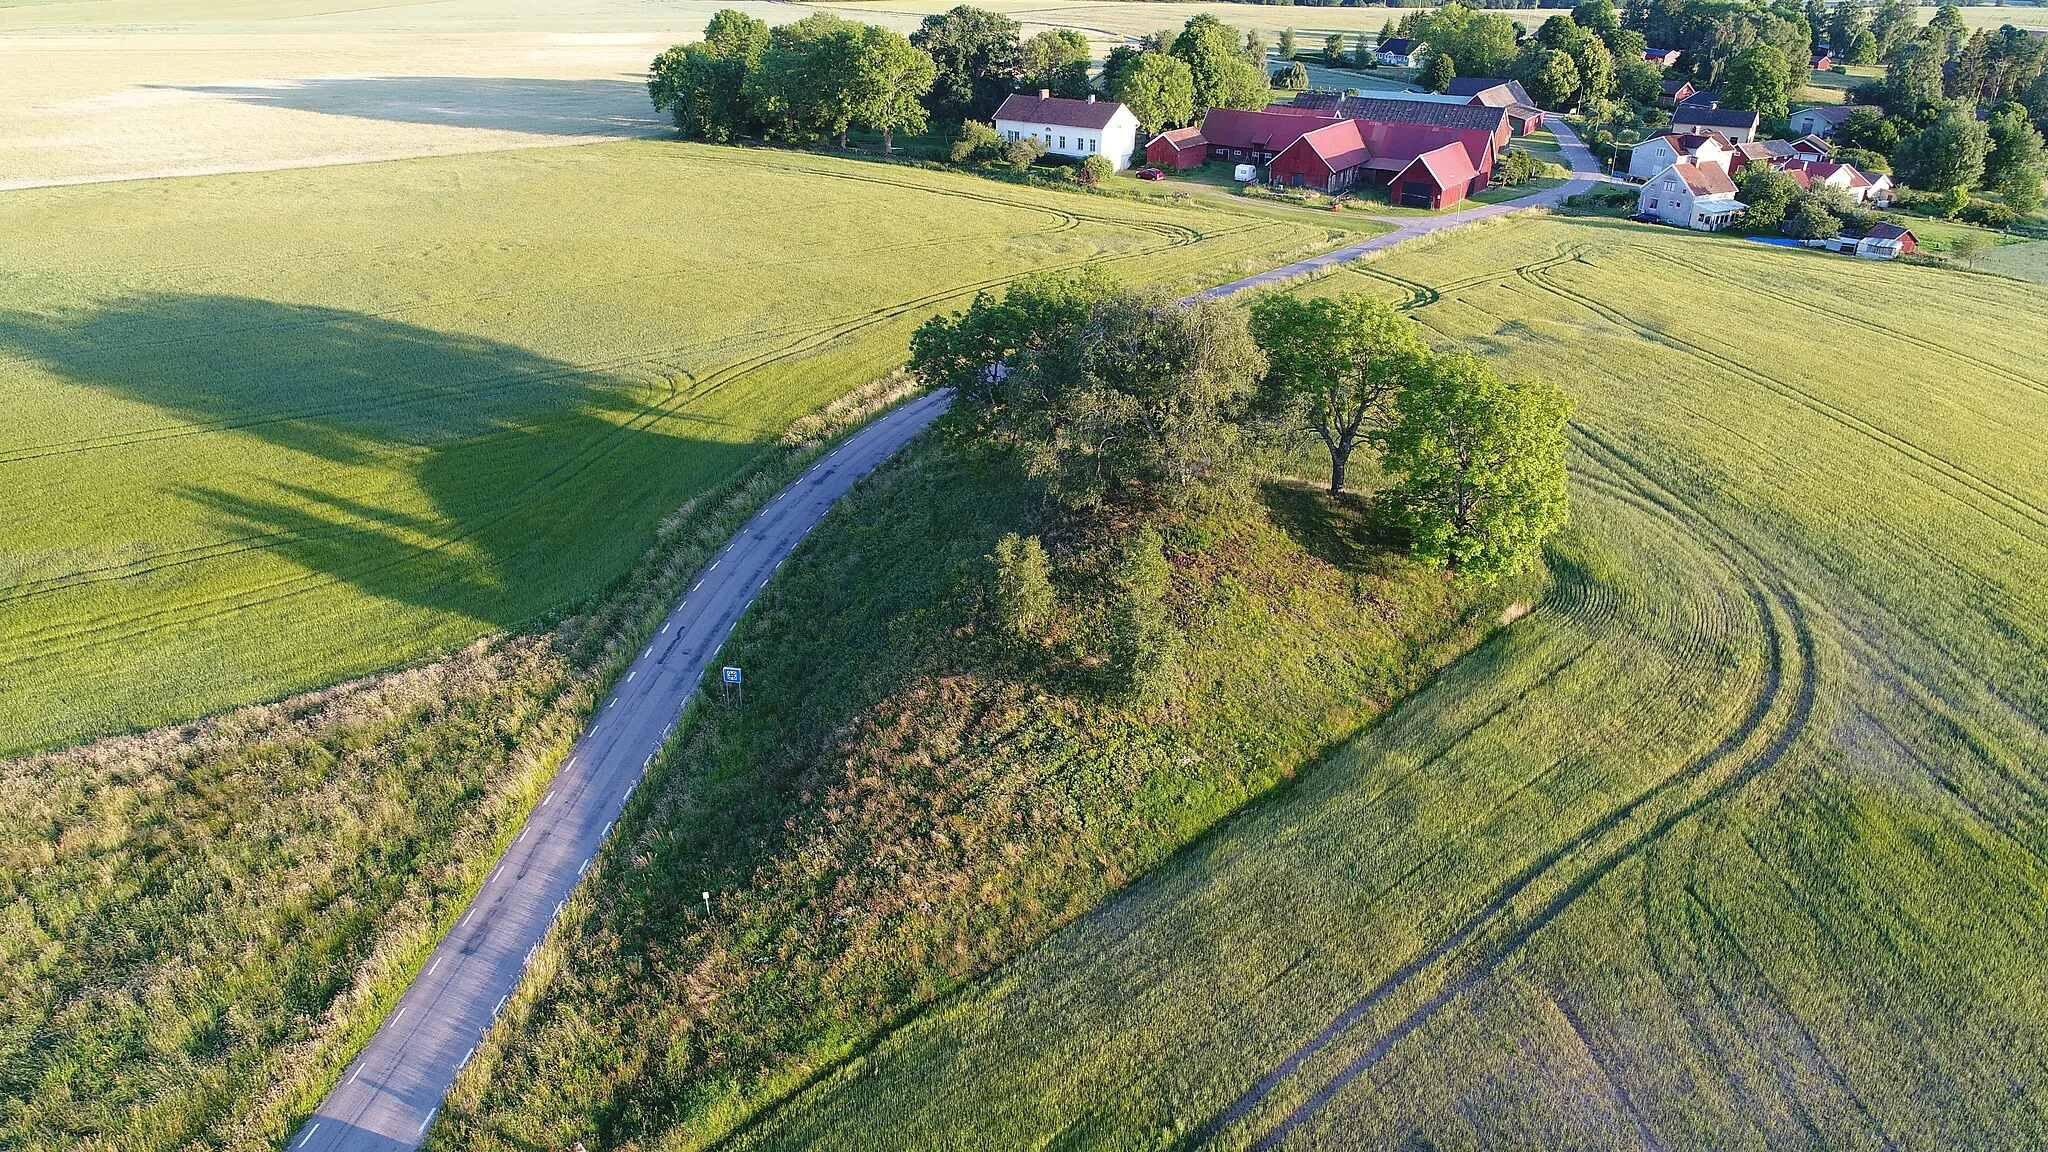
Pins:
x: 1962, y: 482
x: 1768, y: 601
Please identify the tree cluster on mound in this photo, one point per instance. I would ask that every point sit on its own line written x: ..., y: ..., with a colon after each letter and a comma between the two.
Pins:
x: 1121, y: 401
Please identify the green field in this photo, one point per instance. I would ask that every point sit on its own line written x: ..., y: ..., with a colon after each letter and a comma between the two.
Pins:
x: 1736, y: 841
x: 270, y: 431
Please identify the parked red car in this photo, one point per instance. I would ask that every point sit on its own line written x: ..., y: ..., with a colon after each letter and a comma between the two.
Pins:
x: 1149, y: 174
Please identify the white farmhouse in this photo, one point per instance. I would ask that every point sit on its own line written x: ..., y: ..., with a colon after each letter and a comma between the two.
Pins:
x: 1076, y: 128
x: 1661, y: 151
x: 1692, y: 196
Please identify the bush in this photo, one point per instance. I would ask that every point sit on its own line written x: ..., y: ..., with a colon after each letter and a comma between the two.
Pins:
x: 1988, y: 214
x: 1020, y: 155
x: 1516, y: 167
x: 1092, y: 171
x: 1952, y: 202
x: 1144, y: 648
x: 1810, y: 220
x: 1020, y: 590
x: 976, y: 143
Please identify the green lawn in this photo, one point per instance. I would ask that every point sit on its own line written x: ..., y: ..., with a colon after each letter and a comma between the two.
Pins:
x: 1736, y: 841
x: 270, y: 431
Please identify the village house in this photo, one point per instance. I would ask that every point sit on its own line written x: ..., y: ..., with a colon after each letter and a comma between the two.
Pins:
x: 1770, y: 153
x: 1810, y: 147
x: 1245, y: 137
x: 1662, y: 57
x: 1399, y: 52
x: 1664, y: 149
x: 1675, y: 92
x: 1886, y: 241
x: 1699, y: 119
x: 1823, y: 121
x: 1691, y: 196
x: 1821, y: 61
x: 1076, y: 129
x: 1507, y: 95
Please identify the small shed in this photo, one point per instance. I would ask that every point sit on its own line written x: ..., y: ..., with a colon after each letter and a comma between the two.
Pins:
x: 1178, y: 149
x: 1887, y: 241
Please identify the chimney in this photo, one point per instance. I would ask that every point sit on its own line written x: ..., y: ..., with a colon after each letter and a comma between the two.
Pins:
x: 1091, y: 97
x: 1045, y: 93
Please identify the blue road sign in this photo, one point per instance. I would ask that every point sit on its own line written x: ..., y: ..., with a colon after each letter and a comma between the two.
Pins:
x: 732, y: 675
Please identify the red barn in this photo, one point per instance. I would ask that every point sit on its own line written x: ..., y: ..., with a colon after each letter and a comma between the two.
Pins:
x: 1178, y: 148
x: 1438, y: 178
x: 1384, y: 147
x: 1241, y: 137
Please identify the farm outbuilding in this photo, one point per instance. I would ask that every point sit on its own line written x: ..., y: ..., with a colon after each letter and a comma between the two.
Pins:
x: 1178, y: 149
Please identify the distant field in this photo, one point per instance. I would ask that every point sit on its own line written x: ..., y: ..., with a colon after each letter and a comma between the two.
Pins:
x: 1736, y: 841
x: 2020, y: 261
x: 270, y: 431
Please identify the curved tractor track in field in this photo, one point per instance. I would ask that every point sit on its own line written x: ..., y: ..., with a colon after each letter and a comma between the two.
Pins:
x: 1774, y: 717
x: 796, y: 341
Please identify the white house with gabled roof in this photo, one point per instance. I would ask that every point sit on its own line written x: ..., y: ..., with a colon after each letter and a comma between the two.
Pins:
x: 1073, y: 128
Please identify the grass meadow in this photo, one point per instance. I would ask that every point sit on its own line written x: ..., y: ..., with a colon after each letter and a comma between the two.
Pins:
x: 1735, y: 841
x: 271, y: 431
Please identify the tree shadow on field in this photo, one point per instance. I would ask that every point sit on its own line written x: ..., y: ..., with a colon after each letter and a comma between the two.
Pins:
x: 594, y: 107
x: 445, y: 471
x: 1345, y: 532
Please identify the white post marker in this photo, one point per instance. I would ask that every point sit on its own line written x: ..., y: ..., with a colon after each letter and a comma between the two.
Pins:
x: 707, y: 904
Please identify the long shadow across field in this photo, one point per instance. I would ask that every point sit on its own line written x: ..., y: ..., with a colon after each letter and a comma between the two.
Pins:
x: 427, y: 468
x: 594, y: 107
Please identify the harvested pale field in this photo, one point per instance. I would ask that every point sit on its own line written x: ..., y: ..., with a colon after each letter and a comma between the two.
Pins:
x: 131, y: 88
x: 1735, y: 841
x: 272, y: 430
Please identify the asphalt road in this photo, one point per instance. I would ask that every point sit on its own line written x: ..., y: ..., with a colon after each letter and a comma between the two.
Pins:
x: 387, y: 1099
x: 1585, y: 173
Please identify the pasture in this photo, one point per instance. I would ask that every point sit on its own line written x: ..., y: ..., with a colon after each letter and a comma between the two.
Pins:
x: 1735, y: 841
x: 269, y: 431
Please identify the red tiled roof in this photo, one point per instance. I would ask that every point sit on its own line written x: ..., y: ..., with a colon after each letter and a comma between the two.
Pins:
x: 1450, y: 166
x: 1264, y: 131
x: 1058, y: 110
x: 1182, y: 137
x: 1706, y: 181
x: 1341, y: 144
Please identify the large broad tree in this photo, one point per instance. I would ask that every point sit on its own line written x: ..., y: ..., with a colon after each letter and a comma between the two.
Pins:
x: 977, y: 56
x: 1334, y: 366
x: 1057, y: 61
x: 894, y: 77
x: 1948, y: 153
x: 703, y: 84
x: 1768, y: 193
x: 1159, y: 90
x: 2013, y: 167
x: 1548, y: 75
x: 807, y: 84
x: 1478, y: 43
x: 1756, y: 83
x: 1481, y: 466
x: 1110, y: 395
x: 1222, y: 77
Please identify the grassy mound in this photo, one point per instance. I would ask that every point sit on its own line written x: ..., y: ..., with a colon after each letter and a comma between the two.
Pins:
x: 905, y: 801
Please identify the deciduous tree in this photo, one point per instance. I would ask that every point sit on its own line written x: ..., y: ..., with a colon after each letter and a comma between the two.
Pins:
x: 1756, y: 83
x: 976, y: 54
x: 892, y: 79
x: 703, y: 84
x: 1333, y: 366
x: 1222, y: 77
x: 1159, y: 91
x: 1481, y: 466
x: 1056, y: 60
x: 1948, y: 153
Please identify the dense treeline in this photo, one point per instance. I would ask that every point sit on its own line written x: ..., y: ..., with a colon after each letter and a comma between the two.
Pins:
x: 1119, y: 400
x: 823, y: 75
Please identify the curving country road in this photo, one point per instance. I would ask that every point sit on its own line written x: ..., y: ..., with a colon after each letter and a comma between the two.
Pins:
x: 387, y: 1099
